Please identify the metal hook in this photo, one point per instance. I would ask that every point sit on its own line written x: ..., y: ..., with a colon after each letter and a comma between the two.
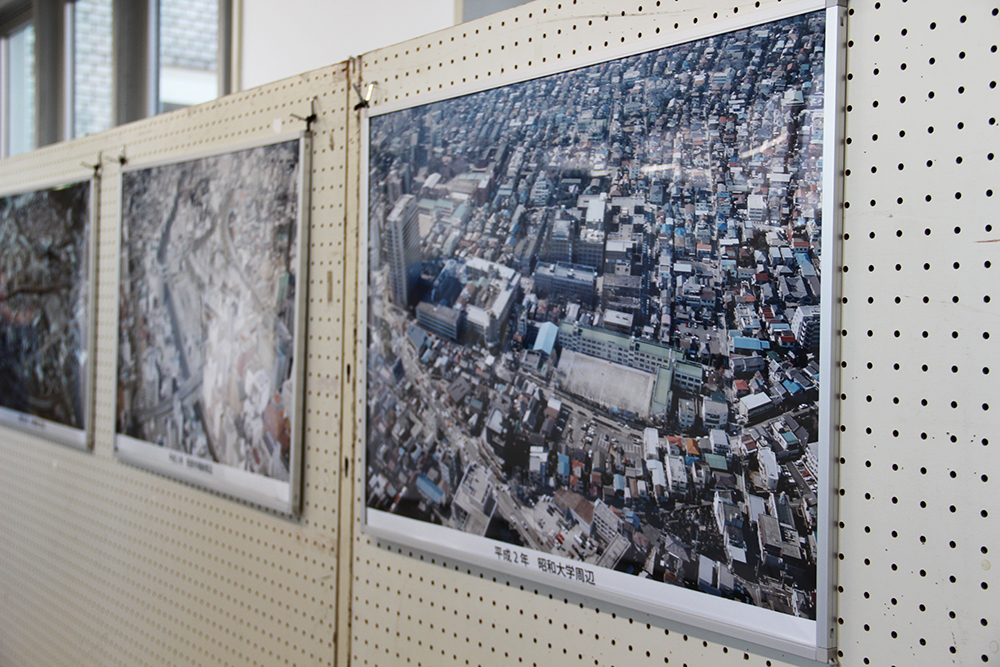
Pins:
x: 121, y: 159
x: 95, y: 167
x: 311, y: 118
x: 365, y: 98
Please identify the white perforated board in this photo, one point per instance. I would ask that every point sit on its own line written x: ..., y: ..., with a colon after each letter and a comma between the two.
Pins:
x: 104, y: 564
x: 897, y: 603
x: 108, y: 564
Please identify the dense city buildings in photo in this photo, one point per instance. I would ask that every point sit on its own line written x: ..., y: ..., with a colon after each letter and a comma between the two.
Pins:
x: 44, y: 303
x: 207, y: 312
x: 594, y: 315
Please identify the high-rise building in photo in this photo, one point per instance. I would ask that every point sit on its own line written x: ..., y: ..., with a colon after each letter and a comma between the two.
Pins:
x: 806, y: 326
x: 402, y: 242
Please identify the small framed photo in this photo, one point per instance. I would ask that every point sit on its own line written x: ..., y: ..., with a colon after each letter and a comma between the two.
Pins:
x: 47, y: 310
x: 211, y: 319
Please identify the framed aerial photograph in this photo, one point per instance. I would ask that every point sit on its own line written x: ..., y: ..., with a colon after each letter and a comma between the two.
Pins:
x: 599, y: 316
x: 47, y: 302
x: 211, y: 319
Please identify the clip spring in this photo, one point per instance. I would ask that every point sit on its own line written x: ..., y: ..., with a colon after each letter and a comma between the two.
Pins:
x: 365, y: 98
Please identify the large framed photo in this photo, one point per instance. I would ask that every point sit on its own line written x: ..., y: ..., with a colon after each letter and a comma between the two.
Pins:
x: 600, y: 316
x: 47, y: 278
x: 211, y: 319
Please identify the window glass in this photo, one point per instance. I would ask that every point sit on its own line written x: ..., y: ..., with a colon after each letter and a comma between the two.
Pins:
x: 189, y: 48
x: 474, y: 9
x: 21, y: 90
x: 91, y: 66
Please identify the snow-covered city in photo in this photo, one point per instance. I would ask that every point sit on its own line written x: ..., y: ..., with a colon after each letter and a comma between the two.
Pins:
x: 44, y: 304
x: 207, y: 309
x: 594, y: 315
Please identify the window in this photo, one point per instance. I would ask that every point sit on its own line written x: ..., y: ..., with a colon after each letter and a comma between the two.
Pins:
x: 89, y: 28
x: 474, y: 9
x: 188, y: 53
x: 18, y: 65
x: 187, y: 42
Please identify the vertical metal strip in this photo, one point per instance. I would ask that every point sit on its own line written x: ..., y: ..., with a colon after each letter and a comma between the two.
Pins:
x: 833, y: 151
x: 349, y: 371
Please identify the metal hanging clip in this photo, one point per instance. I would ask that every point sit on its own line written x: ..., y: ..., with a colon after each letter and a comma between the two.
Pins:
x: 310, y: 119
x: 95, y: 167
x: 121, y: 159
x: 365, y: 97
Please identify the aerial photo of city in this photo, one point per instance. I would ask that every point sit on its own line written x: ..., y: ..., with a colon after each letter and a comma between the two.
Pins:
x: 207, y: 307
x: 44, y: 303
x: 594, y: 315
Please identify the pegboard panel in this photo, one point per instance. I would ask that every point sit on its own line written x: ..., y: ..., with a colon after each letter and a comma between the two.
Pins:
x: 107, y: 564
x: 420, y: 610
x: 919, y: 404
x: 531, y: 38
x: 919, y: 331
